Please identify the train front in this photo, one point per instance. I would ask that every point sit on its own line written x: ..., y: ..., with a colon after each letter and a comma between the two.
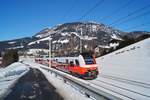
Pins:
x: 88, y: 65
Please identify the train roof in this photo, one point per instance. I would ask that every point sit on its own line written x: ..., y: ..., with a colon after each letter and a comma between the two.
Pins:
x: 77, y: 54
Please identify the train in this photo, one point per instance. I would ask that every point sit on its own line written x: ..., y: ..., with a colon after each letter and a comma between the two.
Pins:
x: 83, y: 65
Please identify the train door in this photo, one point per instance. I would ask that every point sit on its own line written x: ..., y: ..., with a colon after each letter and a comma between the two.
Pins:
x: 76, y: 66
x: 67, y: 65
x: 71, y: 66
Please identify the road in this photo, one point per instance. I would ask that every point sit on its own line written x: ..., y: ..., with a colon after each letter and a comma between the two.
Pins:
x: 33, y: 86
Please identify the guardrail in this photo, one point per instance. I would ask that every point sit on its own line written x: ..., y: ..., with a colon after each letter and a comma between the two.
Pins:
x: 85, y: 87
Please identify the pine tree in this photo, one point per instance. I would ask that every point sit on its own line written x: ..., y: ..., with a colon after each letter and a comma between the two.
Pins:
x: 10, y: 57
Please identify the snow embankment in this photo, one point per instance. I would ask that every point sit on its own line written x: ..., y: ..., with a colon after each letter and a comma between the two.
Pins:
x: 132, y: 62
x: 9, y: 76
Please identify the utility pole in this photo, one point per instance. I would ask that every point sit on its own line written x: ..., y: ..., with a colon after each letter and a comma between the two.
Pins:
x: 50, y: 50
x: 81, y: 41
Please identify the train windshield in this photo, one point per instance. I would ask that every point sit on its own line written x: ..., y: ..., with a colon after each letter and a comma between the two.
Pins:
x: 89, y: 59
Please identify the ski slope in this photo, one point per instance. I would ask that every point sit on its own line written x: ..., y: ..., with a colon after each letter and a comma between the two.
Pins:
x: 126, y: 71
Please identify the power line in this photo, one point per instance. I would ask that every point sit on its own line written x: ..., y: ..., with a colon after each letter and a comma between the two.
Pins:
x: 137, y: 26
x: 133, y: 18
x: 130, y: 14
x: 91, y: 9
x: 70, y: 9
x: 117, y: 10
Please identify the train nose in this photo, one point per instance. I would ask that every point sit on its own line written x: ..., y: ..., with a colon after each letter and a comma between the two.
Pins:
x: 89, y: 73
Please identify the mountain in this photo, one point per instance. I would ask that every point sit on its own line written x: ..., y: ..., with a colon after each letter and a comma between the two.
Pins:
x: 15, y: 44
x: 89, y: 29
x: 137, y: 34
x: 66, y: 38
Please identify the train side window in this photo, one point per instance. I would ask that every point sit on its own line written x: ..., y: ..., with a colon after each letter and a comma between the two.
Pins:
x: 71, y: 64
x: 67, y: 61
x: 77, y: 62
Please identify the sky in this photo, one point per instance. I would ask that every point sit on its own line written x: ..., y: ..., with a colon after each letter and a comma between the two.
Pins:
x: 23, y: 18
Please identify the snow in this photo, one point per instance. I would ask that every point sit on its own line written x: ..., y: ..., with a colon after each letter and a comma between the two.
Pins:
x: 84, y: 37
x: 39, y: 36
x: 12, y: 42
x: 38, y: 41
x: 114, y: 36
x: 35, y: 51
x: 61, y: 41
x: 113, y: 44
x: 122, y: 73
x: 104, y: 46
x: 44, y: 39
x: 94, y: 28
x: 75, y: 33
x: 85, y: 46
x: 66, y: 90
x: 9, y: 76
x: 135, y: 57
x: 64, y: 34
x: 88, y: 38
x: 54, y: 42
x: 125, y: 71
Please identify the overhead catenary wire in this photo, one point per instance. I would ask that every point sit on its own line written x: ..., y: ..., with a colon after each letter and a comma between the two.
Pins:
x: 70, y: 9
x: 138, y: 26
x: 118, y: 21
x: 133, y: 18
x: 130, y: 14
x: 118, y: 10
x: 91, y: 9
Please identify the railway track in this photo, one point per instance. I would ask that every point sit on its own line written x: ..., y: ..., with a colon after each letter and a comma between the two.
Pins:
x: 99, y: 85
x: 122, y: 90
x: 128, y: 88
x: 128, y: 81
x: 103, y: 89
x: 83, y: 86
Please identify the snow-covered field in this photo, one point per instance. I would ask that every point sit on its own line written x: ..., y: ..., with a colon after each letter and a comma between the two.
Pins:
x: 126, y: 71
x: 9, y: 76
x: 132, y: 62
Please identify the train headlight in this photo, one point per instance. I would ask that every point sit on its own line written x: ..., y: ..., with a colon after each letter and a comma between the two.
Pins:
x: 89, y: 73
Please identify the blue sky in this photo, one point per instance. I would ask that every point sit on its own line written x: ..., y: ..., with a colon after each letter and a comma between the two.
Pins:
x: 21, y: 18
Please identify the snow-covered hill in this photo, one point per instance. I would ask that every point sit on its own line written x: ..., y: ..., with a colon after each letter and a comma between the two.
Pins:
x: 66, y: 38
x: 132, y: 62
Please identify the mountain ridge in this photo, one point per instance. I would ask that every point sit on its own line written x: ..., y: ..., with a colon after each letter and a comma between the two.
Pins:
x: 66, y: 37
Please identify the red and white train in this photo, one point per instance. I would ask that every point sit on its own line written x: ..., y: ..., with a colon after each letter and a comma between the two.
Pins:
x: 83, y: 65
